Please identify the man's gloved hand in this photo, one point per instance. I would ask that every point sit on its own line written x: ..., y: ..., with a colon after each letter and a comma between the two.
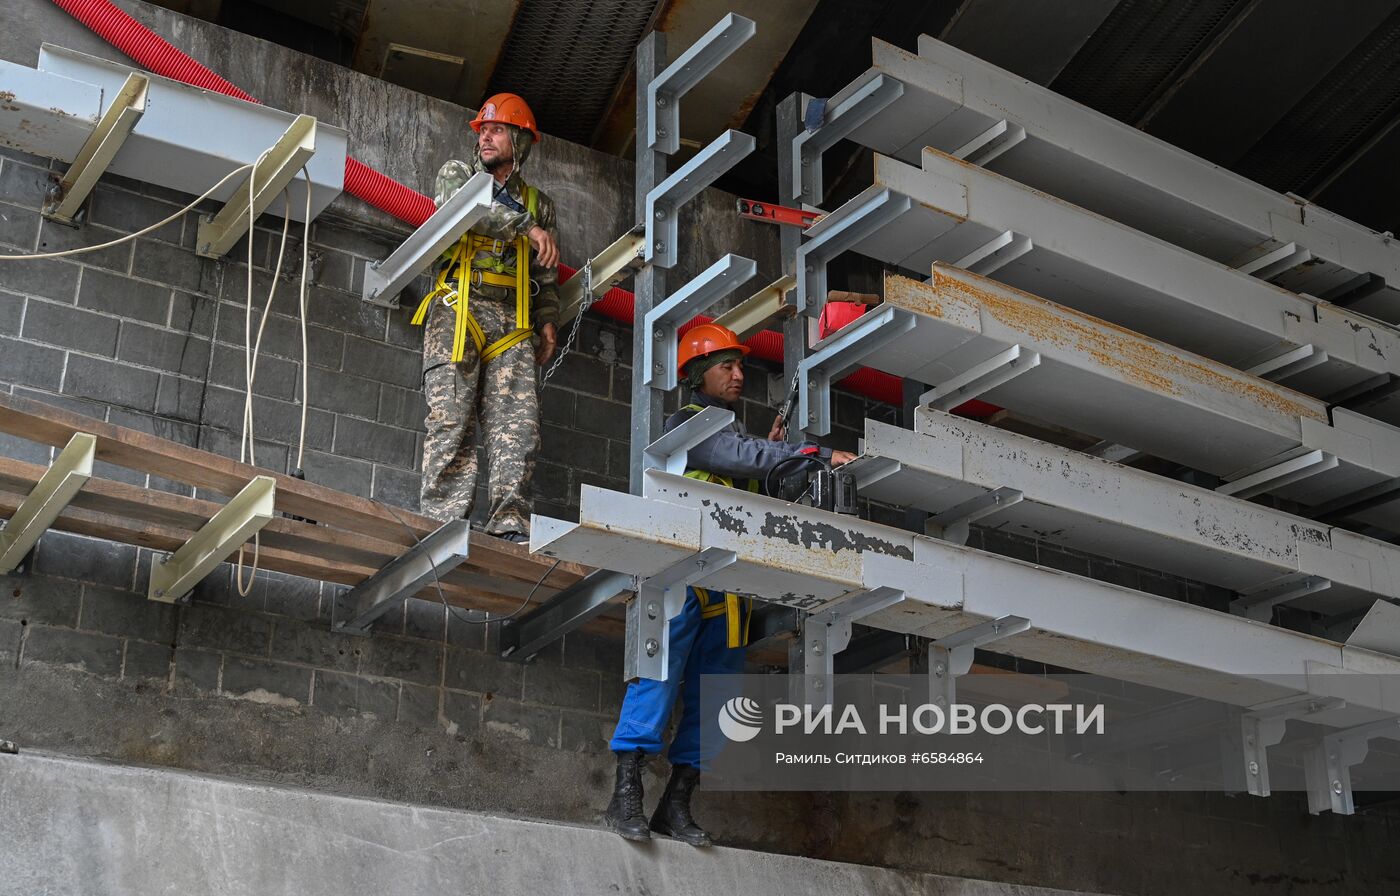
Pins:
x: 545, y: 248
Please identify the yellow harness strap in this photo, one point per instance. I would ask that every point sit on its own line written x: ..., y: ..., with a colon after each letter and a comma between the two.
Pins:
x: 737, y: 610
x: 493, y: 271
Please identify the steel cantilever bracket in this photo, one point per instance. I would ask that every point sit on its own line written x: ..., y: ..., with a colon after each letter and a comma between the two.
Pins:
x: 659, y: 600
x: 951, y: 657
x: 439, y: 552
x: 871, y: 332
x: 717, y: 281
x: 272, y: 172
x: 847, y: 111
x: 1327, y: 765
x: 101, y: 147
x: 690, y: 68
x: 664, y: 202
x: 46, y: 501
x: 839, y: 231
x: 384, y: 280
x: 668, y: 453
x: 1263, y: 727
x: 824, y: 634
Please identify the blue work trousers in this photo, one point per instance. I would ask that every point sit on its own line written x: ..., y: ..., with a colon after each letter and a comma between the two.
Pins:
x: 697, y: 647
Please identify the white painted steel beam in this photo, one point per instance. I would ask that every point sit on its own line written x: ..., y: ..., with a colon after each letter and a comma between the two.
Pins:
x: 799, y: 556
x: 1118, y: 274
x: 174, y: 575
x: 187, y: 140
x: 384, y: 280
x: 1113, y: 169
x: 1126, y: 388
x: 64, y: 479
x: 101, y: 146
x: 1081, y: 502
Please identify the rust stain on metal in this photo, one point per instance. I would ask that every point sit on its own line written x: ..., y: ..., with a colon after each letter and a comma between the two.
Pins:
x: 1137, y: 358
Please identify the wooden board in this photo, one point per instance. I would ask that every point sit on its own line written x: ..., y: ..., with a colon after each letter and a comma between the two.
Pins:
x: 151, y: 454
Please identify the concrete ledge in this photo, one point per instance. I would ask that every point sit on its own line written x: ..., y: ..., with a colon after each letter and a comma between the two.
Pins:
x: 77, y: 826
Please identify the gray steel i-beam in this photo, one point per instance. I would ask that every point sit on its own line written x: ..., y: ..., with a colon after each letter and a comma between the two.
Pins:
x: 649, y: 286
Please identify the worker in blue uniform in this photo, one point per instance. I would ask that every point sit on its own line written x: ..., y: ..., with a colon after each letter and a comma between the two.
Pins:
x: 711, y: 632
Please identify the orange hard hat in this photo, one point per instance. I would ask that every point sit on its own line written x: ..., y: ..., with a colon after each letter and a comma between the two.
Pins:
x: 705, y: 339
x: 507, y: 108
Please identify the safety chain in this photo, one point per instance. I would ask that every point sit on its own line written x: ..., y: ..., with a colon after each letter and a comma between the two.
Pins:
x: 588, y: 300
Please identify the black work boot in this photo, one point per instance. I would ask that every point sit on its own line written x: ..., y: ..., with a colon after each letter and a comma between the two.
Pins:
x: 672, y: 816
x: 624, y: 813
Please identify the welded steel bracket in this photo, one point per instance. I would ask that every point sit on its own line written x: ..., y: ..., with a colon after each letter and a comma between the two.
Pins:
x: 668, y: 453
x: 384, y: 280
x: 843, y: 350
x: 605, y: 270
x: 661, y: 322
x: 273, y: 171
x: 1259, y: 604
x: 836, y: 233
x: 1275, y: 262
x: 996, y: 253
x: 121, y: 115
x: 954, y: 524
x: 664, y: 202
x: 435, y: 554
x: 527, y: 635
x: 1289, y: 363
x: 690, y: 68
x: 64, y: 478
x: 989, y: 144
x: 997, y: 370
x: 1327, y: 764
x: 659, y: 600
x: 174, y: 575
x: 1263, y: 727
x: 950, y: 657
x: 844, y: 114
x: 824, y: 634
x: 754, y: 313
x: 1279, y: 474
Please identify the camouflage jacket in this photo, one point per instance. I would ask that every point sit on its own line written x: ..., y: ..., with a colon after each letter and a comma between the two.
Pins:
x: 505, y: 223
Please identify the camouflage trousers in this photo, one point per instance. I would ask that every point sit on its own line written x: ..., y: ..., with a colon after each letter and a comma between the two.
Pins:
x: 502, y: 393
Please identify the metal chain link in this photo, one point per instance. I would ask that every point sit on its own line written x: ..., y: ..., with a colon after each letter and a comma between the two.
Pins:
x: 588, y: 300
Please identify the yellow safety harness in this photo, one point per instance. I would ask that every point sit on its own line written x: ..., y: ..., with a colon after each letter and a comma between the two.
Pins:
x: 491, y: 270
x: 738, y: 610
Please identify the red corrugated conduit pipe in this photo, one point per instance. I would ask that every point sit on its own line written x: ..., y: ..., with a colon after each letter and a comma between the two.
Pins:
x: 155, y: 54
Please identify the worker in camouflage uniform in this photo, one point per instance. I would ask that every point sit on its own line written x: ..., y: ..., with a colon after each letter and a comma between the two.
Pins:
x: 490, y: 319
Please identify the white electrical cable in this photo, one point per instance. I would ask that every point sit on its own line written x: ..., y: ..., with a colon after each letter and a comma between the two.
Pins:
x: 305, y: 261
x: 131, y: 236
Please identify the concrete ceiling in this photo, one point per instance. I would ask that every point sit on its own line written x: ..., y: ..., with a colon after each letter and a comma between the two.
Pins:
x: 1301, y: 96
